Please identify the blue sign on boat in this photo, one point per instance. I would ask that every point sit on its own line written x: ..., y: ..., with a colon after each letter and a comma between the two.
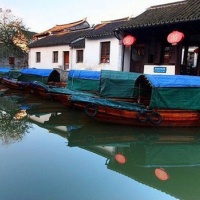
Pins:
x: 160, y: 69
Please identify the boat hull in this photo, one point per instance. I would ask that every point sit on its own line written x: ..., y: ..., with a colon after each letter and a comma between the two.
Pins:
x: 165, y: 118
x: 13, y: 84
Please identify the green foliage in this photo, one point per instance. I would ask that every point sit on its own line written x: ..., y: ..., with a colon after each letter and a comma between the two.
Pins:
x: 12, y: 128
x: 12, y: 38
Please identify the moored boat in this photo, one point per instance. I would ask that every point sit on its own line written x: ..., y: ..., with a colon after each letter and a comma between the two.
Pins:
x: 20, y: 78
x: 79, y: 82
x: 11, y: 80
x: 4, y: 71
x: 105, y: 83
x: 63, y: 95
x: 163, y: 100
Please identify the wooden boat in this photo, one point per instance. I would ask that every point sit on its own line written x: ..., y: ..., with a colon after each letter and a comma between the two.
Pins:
x: 79, y: 81
x: 163, y: 100
x: 96, y: 84
x: 4, y: 71
x: 11, y: 80
x: 84, y: 80
x: 20, y: 79
x: 63, y: 95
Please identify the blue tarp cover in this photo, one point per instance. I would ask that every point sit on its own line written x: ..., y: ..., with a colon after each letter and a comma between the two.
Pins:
x: 84, y: 74
x: 39, y: 72
x: 175, y: 81
x: 5, y: 69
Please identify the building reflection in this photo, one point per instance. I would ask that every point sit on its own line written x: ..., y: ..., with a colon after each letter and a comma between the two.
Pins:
x: 19, y: 112
x: 55, y: 117
x: 166, y: 159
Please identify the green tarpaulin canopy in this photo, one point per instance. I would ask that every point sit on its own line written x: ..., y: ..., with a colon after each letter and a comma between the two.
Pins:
x: 84, y: 80
x: 170, y: 92
x: 117, y: 84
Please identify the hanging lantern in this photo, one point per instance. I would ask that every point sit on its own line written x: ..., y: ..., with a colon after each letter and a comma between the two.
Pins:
x: 129, y: 40
x: 196, y: 50
x: 161, y: 174
x: 120, y: 158
x: 175, y: 37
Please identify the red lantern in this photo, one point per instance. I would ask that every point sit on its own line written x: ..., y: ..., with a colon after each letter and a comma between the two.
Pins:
x: 129, y: 40
x: 161, y: 174
x: 175, y: 37
x: 196, y: 50
x: 120, y: 158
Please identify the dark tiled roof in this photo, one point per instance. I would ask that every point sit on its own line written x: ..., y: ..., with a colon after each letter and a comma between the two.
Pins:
x: 58, y: 39
x: 106, y: 28
x: 171, y: 13
x: 64, y: 27
x: 78, y: 44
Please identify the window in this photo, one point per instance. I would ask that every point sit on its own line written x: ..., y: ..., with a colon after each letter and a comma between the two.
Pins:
x: 55, y: 56
x: 79, y: 56
x: 38, y: 57
x: 166, y: 56
x: 105, y: 52
x: 11, y: 60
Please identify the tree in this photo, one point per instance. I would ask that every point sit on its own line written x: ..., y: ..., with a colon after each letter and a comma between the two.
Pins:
x: 13, y: 35
x: 13, y: 123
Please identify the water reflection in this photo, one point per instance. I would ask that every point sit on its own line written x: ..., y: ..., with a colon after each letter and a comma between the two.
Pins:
x: 18, y: 112
x: 12, y: 124
x: 56, y: 118
x: 167, y: 159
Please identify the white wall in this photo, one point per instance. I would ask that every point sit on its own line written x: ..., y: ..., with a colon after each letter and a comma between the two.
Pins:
x: 73, y: 63
x: 47, y: 57
x: 92, y: 54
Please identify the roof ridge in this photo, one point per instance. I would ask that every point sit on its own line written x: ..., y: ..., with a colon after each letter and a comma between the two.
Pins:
x: 79, y: 21
x: 167, y: 5
x: 61, y: 27
x: 115, y: 20
x: 98, y: 26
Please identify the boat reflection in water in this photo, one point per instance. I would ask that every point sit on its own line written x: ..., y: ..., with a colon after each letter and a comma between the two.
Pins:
x: 167, y: 159
x: 162, y: 158
x: 19, y: 112
x: 55, y: 118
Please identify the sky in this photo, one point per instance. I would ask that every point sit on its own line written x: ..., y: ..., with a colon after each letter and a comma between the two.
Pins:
x: 41, y: 15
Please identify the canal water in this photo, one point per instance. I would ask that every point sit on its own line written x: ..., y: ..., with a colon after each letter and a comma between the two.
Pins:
x: 51, y: 152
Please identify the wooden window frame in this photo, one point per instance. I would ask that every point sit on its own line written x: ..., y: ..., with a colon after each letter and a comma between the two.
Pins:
x: 55, y: 56
x: 105, y: 52
x: 11, y: 60
x: 79, y: 56
x: 38, y: 57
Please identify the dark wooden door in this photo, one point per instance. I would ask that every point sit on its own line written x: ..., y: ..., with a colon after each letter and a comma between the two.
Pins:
x: 66, y: 60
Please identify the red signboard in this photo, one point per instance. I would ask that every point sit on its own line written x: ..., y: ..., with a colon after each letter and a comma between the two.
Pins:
x: 175, y: 37
x: 129, y: 40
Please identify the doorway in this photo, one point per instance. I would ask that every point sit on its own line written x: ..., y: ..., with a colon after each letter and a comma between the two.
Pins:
x: 189, y: 60
x: 66, y: 60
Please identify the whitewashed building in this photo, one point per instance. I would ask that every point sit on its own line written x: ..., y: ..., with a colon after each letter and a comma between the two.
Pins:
x: 102, y: 49
x: 78, y: 46
x: 51, y: 49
